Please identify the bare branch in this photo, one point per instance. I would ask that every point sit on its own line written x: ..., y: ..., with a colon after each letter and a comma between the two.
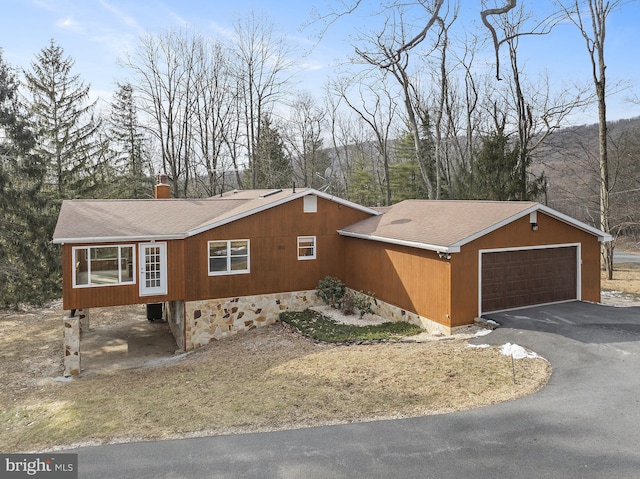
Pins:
x: 511, y: 4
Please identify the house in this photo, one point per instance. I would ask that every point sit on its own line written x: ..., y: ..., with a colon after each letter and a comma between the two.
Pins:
x: 230, y: 263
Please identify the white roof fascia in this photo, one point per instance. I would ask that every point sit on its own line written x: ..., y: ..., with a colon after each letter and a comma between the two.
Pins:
x: 412, y: 244
x: 286, y: 199
x: 496, y: 226
x: 537, y: 207
x: 602, y: 236
x: 342, y: 201
x: 119, y: 239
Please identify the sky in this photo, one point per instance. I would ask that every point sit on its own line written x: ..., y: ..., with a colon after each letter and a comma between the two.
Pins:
x: 95, y: 33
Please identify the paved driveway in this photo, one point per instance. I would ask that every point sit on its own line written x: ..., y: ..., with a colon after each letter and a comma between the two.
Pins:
x: 626, y: 257
x: 584, y: 424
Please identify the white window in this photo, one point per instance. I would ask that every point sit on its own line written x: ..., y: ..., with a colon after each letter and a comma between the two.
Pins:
x: 310, y: 204
x: 228, y: 257
x: 103, y: 265
x: 306, y: 247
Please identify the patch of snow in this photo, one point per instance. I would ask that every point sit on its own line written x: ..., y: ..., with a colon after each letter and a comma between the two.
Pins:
x: 619, y: 298
x: 62, y: 379
x: 517, y: 352
x: 492, y: 322
x: 483, y: 332
x: 478, y: 346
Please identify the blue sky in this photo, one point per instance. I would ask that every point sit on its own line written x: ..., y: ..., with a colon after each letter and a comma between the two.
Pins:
x: 96, y: 32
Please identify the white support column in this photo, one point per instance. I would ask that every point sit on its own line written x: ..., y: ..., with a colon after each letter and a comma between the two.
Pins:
x: 71, y: 344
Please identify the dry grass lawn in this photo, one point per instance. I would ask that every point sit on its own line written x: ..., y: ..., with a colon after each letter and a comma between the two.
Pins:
x: 271, y: 378
x: 626, y: 280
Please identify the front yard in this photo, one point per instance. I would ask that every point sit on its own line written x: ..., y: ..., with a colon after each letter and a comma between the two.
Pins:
x: 270, y: 378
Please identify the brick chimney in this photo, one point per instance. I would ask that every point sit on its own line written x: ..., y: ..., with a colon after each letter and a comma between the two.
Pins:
x: 162, y: 190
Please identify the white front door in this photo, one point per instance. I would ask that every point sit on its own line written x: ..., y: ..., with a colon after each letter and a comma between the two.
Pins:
x: 153, y: 269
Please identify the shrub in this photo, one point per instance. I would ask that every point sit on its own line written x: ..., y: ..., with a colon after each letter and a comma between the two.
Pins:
x: 348, y: 303
x: 331, y: 290
x: 363, y: 303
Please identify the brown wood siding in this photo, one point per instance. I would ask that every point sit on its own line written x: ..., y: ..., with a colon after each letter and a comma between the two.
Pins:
x: 511, y: 279
x: 464, y: 273
x: 413, y: 279
x: 100, y: 296
x: 274, y: 264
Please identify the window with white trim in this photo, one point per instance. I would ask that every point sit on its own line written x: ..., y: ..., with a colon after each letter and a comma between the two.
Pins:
x: 103, y: 265
x: 310, y: 204
x: 228, y: 257
x: 306, y: 247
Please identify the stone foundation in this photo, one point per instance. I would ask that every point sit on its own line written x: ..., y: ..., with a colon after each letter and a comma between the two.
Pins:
x: 395, y: 314
x: 83, y: 317
x: 213, y: 319
x: 174, y: 311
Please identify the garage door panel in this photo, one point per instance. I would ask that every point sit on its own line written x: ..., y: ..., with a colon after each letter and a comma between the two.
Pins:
x: 512, y: 279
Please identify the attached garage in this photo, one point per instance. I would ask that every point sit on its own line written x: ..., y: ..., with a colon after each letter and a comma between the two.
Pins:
x: 514, y: 278
x: 451, y: 261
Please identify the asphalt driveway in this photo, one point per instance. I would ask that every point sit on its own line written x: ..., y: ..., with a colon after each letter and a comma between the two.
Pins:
x: 584, y: 424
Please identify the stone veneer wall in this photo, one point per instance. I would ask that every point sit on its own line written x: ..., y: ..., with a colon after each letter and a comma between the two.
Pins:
x: 209, y: 320
x: 213, y: 319
x: 395, y: 314
x: 174, y: 311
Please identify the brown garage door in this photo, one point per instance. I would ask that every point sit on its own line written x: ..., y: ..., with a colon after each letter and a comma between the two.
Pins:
x: 512, y: 279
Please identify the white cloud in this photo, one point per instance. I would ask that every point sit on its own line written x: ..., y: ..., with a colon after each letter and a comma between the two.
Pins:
x: 224, y: 31
x: 123, y: 17
x: 70, y: 24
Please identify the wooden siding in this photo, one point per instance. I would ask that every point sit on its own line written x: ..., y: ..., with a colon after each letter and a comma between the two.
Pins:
x: 274, y: 260
x: 412, y: 279
x: 274, y: 264
x: 101, y: 296
x: 464, y: 273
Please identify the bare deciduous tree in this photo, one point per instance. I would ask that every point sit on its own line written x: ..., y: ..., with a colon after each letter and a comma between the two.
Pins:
x: 535, y: 113
x: 164, y: 69
x: 261, y: 65
x: 590, y: 17
x: 216, y: 114
x: 377, y: 109
x: 389, y: 57
x: 304, y: 142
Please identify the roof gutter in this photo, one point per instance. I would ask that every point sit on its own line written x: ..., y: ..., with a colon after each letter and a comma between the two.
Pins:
x: 411, y: 244
x: 119, y: 239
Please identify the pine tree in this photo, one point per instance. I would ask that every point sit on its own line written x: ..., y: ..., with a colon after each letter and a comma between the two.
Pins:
x: 130, y: 158
x: 274, y: 167
x: 495, y: 172
x: 64, y: 122
x: 29, y: 262
x: 405, y: 176
x: 363, y: 187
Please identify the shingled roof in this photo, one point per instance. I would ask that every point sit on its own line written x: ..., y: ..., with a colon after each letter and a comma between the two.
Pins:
x: 91, y: 221
x: 445, y: 226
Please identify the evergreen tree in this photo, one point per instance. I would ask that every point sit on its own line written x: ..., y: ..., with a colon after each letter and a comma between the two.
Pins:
x: 64, y: 122
x: 274, y: 167
x: 363, y: 187
x: 495, y: 172
x: 404, y: 175
x: 29, y: 262
x: 128, y: 146
x: 406, y: 182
